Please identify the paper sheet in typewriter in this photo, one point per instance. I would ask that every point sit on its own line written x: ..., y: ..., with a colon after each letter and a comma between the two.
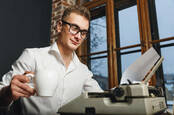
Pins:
x: 140, y: 68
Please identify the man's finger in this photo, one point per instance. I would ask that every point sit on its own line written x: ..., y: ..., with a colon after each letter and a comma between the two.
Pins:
x: 21, y: 78
x: 25, y: 87
x: 17, y: 95
x: 20, y: 90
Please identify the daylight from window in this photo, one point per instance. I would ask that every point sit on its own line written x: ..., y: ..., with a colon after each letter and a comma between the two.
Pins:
x: 165, y: 17
x: 129, y: 35
x: 99, y: 43
x: 165, y: 21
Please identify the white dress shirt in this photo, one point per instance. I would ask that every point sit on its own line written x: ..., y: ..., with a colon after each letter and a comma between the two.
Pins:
x: 72, y: 81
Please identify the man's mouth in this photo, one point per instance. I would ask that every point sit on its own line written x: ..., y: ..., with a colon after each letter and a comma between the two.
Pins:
x: 73, y: 42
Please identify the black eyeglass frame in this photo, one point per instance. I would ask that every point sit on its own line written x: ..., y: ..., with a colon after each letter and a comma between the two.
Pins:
x: 73, y: 32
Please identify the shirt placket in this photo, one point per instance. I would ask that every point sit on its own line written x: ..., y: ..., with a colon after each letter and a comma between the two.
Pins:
x: 65, y: 74
x: 62, y: 84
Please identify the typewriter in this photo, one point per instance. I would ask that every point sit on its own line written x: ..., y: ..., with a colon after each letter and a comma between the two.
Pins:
x: 126, y: 99
x: 134, y: 99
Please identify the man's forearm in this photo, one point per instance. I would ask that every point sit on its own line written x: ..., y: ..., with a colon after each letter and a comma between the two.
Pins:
x: 5, y: 96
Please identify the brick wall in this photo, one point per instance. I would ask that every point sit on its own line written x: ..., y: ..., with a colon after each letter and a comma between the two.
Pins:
x: 58, y: 7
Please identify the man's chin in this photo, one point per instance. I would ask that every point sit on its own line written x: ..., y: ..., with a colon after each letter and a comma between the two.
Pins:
x: 73, y: 47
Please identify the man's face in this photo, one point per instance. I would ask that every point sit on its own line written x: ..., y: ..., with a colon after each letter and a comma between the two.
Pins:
x: 71, y: 38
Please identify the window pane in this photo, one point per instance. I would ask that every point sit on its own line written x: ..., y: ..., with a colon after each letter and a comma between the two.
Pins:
x: 168, y: 68
x: 98, y: 43
x: 165, y: 17
x: 98, y: 35
x: 128, y: 25
x: 127, y: 60
x: 99, y: 68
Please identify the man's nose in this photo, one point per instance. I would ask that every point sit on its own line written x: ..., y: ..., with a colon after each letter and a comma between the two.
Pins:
x: 78, y: 35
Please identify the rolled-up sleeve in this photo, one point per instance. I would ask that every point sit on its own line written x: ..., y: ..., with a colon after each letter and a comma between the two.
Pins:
x: 91, y: 85
x: 24, y: 63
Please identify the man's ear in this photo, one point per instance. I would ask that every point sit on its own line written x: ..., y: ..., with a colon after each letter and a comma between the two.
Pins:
x: 59, y: 26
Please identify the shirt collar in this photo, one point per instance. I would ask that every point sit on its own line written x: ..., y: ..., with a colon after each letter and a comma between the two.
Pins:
x: 55, y: 51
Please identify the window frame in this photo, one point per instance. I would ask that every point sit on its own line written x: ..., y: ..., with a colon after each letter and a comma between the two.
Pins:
x: 83, y: 50
x: 149, y: 36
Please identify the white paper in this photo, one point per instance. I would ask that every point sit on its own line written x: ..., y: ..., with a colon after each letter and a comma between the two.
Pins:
x: 139, y: 69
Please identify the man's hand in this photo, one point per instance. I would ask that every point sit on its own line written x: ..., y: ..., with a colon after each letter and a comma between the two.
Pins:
x: 20, y: 88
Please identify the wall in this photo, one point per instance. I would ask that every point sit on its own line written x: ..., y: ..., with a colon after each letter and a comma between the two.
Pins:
x: 23, y: 24
x: 26, y: 23
x: 58, y: 7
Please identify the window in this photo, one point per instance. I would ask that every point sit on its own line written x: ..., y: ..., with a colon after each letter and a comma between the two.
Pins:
x: 128, y: 26
x: 98, y: 41
x: 98, y: 49
x: 121, y: 30
x: 128, y: 59
x: 164, y: 9
x: 98, y: 44
x: 128, y: 34
x: 168, y: 66
x: 163, y: 40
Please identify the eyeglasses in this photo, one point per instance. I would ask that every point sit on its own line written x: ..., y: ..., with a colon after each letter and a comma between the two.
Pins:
x: 75, y: 29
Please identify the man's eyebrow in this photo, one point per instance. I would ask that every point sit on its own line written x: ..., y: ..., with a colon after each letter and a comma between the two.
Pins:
x: 75, y: 25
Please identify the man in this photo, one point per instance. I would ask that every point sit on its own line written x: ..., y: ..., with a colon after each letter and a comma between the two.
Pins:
x: 74, y: 77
